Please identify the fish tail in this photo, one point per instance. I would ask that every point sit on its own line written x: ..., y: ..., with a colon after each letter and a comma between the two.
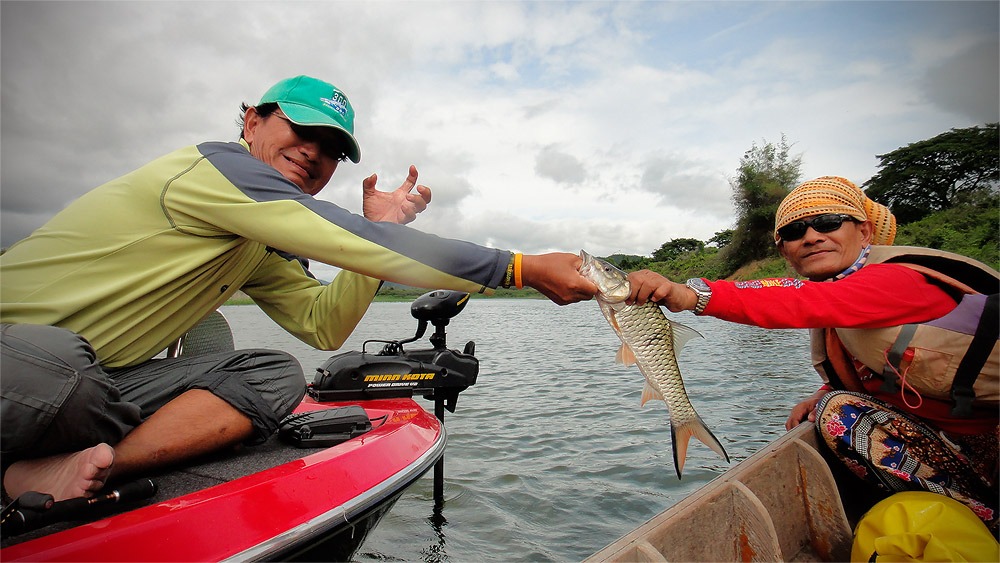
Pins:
x: 681, y: 436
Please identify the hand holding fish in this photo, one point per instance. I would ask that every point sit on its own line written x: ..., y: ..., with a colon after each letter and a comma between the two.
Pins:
x: 650, y: 286
x: 557, y: 276
x: 398, y: 206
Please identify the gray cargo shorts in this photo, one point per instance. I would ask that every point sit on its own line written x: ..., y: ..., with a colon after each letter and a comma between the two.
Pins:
x: 55, y: 397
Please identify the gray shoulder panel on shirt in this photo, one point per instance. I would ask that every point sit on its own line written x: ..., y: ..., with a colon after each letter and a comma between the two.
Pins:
x: 261, y: 182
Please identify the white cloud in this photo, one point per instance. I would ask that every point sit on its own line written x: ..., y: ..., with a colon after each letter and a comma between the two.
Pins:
x: 561, y: 167
x: 539, y: 126
x: 967, y: 83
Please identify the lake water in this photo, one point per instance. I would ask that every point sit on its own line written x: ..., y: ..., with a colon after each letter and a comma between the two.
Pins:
x: 549, y: 456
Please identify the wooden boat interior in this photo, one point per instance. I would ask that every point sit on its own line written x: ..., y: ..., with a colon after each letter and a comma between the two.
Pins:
x: 781, y: 504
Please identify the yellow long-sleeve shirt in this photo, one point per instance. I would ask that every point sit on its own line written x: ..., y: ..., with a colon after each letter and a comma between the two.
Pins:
x: 136, y: 262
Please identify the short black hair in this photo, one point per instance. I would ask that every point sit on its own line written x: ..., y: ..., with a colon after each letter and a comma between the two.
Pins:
x: 263, y: 110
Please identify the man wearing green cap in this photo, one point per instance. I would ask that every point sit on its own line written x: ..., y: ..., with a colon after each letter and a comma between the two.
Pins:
x: 91, y: 297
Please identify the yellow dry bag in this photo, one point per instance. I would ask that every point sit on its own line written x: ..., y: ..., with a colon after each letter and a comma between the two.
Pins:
x: 922, y: 526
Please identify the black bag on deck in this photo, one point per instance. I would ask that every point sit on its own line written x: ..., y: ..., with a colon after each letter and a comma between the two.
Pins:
x: 324, y: 428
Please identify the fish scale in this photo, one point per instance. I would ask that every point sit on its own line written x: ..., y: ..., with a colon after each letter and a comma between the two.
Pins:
x: 651, y: 341
x: 650, y: 335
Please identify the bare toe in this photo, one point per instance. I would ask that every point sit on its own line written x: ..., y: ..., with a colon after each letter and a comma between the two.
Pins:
x: 63, y: 476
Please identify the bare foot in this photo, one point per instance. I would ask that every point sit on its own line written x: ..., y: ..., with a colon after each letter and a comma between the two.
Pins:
x: 63, y: 476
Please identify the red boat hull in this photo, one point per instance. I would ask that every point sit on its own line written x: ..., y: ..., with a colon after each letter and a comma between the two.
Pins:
x: 274, y: 513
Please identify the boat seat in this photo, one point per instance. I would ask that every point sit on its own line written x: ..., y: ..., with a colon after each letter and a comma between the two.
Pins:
x: 211, y: 334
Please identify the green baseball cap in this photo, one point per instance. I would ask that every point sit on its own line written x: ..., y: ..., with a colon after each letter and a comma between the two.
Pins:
x: 311, y: 102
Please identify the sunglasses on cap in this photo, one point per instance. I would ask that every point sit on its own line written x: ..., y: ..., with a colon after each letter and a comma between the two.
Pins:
x: 825, y: 223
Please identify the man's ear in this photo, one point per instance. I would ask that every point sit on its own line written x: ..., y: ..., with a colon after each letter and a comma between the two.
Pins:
x: 867, y: 229
x: 251, y: 120
x: 781, y: 250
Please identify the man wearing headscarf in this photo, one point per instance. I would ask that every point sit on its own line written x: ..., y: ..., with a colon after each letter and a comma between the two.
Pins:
x: 839, y: 240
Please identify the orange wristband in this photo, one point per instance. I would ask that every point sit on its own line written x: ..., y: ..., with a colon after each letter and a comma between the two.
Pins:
x: 517, y: 271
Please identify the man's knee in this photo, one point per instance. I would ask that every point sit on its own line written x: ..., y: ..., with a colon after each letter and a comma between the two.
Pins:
x: 265, y: 385
x: 833, y: 403
x: 29, y: 347
x: 55, y: 397
x: 279, y: 380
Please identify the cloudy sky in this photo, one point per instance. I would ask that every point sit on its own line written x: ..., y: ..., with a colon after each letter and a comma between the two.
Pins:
x: 612, y: 127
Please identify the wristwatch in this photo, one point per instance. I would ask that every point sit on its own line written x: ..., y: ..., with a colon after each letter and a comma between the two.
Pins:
x: 704, y: 293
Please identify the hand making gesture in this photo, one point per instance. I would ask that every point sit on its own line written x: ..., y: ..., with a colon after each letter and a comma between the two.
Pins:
x: 399, y: 206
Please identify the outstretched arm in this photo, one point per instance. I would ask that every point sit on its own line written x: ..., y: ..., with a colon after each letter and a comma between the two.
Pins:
x: 398, y: 206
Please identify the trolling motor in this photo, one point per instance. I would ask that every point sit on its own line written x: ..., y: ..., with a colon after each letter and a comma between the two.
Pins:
x: 437, y: 373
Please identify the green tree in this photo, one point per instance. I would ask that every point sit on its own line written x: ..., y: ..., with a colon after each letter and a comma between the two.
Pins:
x: 765, y: 176
x: 627, y: 262
x: 936, y: 174
x: 722, y: 238
x: 969, y: 229
x: 674, y: 248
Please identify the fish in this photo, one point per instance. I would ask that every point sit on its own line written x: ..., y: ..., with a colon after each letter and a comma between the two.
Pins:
x: 651, y: 341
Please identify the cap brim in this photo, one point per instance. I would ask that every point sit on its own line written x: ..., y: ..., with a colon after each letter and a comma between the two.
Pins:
x: 309, y: 117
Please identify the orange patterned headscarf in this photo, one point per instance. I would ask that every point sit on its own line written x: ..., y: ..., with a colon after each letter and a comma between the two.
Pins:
x: 833, y: 194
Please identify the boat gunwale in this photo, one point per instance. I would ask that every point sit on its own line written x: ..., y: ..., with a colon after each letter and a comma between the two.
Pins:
x: 319, y: 525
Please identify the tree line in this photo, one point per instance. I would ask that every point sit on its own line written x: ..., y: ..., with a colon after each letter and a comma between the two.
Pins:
x: 943, y: 192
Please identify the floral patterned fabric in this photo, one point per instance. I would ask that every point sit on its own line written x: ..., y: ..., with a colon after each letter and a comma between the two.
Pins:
x: 896, y: 453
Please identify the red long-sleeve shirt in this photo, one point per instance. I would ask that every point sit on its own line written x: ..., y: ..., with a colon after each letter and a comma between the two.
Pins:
x: 876, y: 296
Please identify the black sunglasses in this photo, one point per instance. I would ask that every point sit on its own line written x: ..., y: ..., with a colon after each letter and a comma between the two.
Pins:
x: 825, y: 223
x: 330, y: 144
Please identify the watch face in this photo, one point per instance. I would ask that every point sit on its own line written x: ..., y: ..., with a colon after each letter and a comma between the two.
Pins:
x: 698, y: 284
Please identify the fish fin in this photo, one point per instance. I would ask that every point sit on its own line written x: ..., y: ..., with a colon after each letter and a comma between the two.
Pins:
x: 679, y: 438
x: 613, y: 319
x: 625, y: 355
x: 681, y: 435
x: 682, y: 334
x: 649, y: 393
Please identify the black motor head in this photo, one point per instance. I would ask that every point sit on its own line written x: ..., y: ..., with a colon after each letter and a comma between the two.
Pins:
x: 438, y: 305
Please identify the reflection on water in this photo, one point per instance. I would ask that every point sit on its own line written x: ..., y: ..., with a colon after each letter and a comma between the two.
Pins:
x: 435, y: 552
x: 549, y: 456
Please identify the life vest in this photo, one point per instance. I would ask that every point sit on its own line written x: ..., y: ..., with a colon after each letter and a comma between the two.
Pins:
x: 955, y: 357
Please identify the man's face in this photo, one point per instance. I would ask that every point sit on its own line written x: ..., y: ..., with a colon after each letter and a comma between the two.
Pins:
x: 302, y: 161
x: 819, y: 256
